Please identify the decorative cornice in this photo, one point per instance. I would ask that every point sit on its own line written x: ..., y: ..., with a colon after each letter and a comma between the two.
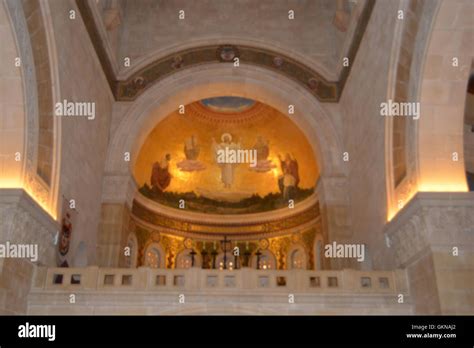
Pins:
x: 23, y: 221
x: 130, y: 89
x: 191, y: 227
x: 432, y: 221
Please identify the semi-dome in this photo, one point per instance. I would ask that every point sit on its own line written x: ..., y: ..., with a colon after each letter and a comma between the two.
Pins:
x: 226, y: 155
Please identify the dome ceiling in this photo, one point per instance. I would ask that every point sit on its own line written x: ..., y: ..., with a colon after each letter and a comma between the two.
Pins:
x: 228, y: 104
x: 181, y: 159
x: 137, y: 45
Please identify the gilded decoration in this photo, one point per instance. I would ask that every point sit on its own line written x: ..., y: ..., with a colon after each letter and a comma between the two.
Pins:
x: 183, y: 226
x: 172, y: 245
x: 279, y: 246
x: 263, y: 244
x: 178, y: 164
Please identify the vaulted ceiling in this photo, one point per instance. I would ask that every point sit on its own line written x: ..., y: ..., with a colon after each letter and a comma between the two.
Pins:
x: 306, y: 40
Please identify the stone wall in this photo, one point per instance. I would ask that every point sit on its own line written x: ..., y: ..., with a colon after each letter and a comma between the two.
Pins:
x: 12, y: 112
x: 443, y: 93
x: 106, y: 291
x: 84, y: 141
x: 37, y: 32
x: 22, y: 221
x: 113, y: 233
x: 433, y: 238
x: 364, y: 132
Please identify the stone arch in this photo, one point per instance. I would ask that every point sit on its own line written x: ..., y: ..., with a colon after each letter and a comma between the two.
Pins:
x: 210, y: 80
x: 217, y: 79
x: 442, y: 92
x: 40, y: 138
x: 39, y: 41
x: 421, y: 71
x: 142, y: 62
x: 410, y: 40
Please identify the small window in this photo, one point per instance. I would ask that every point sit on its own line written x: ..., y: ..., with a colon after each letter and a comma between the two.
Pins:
x: 57, y: 279
x: 211, y: 281
x: 229, y: 281
x: 366, y: 282
x: 332, y: 282
x: 263, y: 282
x: 160, y: 280
x: 178, y: 280
x: 281, y: 281
x: 383, y: 283
x: 76, y: 279
x: 314, y: 282
x: 109, y: 279
x: 126, y: 279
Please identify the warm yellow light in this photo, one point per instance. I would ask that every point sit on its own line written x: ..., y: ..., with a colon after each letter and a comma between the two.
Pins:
x: 445, y: 187
x: 428, y: 187
x: 10, y: 183
x: 15, y: 183
x: 275, y: 172
x: 181, y: 175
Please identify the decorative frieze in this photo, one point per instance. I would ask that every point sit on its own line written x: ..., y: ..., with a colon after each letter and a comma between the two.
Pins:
x: 22, y: 221
x: 434, y: 221
x: 180, y: 225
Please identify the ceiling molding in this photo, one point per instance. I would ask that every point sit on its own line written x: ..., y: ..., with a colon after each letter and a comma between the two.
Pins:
x: 140, y: 81
x: 188, y: 227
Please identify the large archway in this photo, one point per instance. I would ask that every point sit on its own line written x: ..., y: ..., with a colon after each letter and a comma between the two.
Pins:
x: 318, y: 125
x: 426, y: 154
x: 214, y: 80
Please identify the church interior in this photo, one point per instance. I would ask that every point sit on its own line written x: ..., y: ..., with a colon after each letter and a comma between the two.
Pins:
x: 230, y: 157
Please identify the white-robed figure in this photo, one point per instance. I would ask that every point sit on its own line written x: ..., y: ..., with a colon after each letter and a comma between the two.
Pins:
x: 225, y: 162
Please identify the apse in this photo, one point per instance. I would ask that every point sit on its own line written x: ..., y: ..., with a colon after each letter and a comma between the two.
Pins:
x: 226, y: 155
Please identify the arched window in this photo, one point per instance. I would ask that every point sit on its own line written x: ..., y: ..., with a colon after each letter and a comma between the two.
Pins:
x: 154, y: 257
x: 266, y: 260
x: 184, y: 260
x: 297, y: 259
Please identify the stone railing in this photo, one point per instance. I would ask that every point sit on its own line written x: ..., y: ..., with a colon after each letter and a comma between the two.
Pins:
x: 195, y: 279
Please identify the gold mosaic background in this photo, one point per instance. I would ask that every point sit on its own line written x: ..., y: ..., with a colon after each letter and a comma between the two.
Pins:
x: 261, y: 120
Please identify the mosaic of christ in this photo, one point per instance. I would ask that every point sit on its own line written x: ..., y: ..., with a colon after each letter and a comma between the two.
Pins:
x: 226, y: 155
